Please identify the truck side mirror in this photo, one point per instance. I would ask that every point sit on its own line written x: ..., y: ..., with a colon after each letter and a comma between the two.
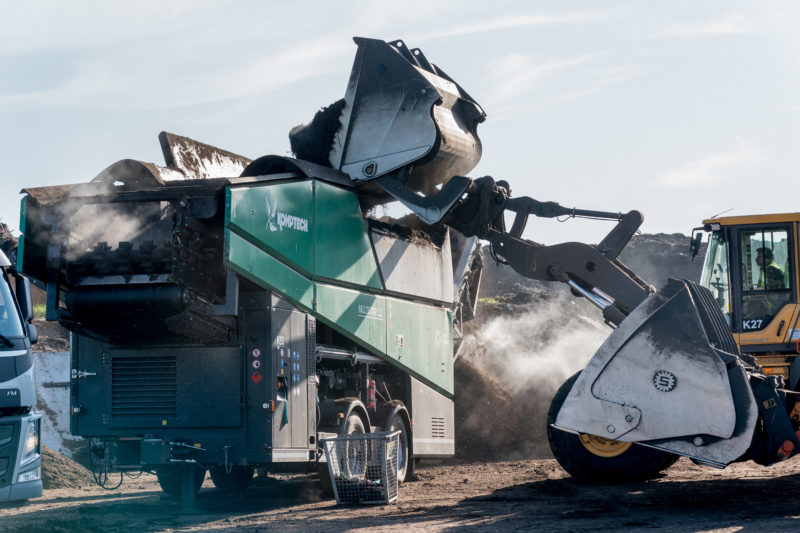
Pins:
x: 695, y: 243
x: 23, y: 286
x: 33, y: 333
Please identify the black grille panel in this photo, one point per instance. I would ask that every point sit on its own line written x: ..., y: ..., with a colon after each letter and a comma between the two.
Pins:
x: 311, y: 339
x: 143, y: 386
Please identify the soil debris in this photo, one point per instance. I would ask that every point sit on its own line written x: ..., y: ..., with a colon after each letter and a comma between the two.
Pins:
x: 314, y: 141
x: 410, y: 228
x: 61, y: 472
x: 53, y: 337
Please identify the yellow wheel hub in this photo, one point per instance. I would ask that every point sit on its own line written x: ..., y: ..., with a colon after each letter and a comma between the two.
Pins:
x: 604, y: 447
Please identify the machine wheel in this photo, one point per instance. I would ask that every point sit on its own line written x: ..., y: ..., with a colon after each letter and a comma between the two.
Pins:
x: 238, y: 479
x: 325, y: 482
x: 403, y: 458
x: 355, y: 456
x: 594, y: 458
x: 170, y: 480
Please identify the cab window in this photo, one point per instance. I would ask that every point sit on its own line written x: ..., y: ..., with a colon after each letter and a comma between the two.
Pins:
x: 10, y: 324
x: 716, y: 274
x: 765, y: 267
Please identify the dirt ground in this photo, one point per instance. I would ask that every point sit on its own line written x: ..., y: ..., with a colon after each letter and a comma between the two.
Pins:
x: 506, y: 496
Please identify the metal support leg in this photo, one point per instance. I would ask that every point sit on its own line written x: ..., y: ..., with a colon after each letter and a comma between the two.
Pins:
x: 188, y: 494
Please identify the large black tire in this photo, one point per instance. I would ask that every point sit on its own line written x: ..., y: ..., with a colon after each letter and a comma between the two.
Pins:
x: 170, y: 480
x: 355, y: 459
x: 325, y: 482
x: 593, y: 458
x: 353, y: 424
x: 237, y: 480
x: 397, y: 422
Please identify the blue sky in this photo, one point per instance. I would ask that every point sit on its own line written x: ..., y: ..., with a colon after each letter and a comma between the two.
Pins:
x: 680, y: 109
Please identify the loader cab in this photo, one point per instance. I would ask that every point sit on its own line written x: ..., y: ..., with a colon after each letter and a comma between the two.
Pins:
x: 751, y: 270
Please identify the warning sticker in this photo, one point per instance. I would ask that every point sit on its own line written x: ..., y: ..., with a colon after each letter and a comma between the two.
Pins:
x: 256, y: 353
x: 256, y: 377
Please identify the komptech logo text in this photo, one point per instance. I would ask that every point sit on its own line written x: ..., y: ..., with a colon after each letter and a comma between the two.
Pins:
x: 277, y: 220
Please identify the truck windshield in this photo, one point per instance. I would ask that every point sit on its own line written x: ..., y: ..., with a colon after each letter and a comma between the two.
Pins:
x: 10, y: 323
x: 765, y: 275
x: 716, y: 273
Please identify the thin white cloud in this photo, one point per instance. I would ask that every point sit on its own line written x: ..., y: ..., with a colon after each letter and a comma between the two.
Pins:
x: 152, y: 85
x: 308, y: 59
x: 516, y: 75
x: 730, y: 24
x: 786, y: 109
x: 54, y: 25
x: 713, y: 167
x: 506, y: 23
x: 521, y: 86
x: 603, y: 80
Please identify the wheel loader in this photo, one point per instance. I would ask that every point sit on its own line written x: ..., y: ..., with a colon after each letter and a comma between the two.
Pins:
x: 229, y: 313
x: 750, y: 272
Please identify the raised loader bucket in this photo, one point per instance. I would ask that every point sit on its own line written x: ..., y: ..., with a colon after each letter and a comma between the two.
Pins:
x: 668, y: 377
x: 404, y: 125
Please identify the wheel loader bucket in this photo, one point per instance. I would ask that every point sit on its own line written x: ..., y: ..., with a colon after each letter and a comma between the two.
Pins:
x: 668, y: 377
x: 406, y: 121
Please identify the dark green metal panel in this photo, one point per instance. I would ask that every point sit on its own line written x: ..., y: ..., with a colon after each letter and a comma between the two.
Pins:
x: 420, y: 337
x: 355, y: 314
x: 315, y: 227
x: 276, y: 217
x: 343, y: 249
x: 375, y: 321
x: 261, y: 268
x: 415, y: 337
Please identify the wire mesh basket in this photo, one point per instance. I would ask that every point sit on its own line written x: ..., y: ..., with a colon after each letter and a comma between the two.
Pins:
x: 363, y: 467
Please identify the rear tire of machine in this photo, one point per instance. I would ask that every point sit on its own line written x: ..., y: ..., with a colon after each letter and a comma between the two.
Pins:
x: 353, y: 424
x: 325, y: 482
x: 403, y: 460
x: 636, y: 463
x: 237, y: 480
x: 356, y: 461
x: 170, y: 480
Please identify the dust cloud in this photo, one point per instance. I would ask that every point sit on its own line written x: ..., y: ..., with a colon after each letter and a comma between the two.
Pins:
x: 540, y: 347
x: 115, y: 223
x: 510, y: 368
x: 528, y: 338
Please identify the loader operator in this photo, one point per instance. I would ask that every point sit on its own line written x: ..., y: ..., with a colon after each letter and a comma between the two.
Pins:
x: 762, y: 302
x: 770, y: 271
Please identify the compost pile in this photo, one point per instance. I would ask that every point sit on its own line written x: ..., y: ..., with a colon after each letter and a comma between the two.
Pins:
x: 8, y: 243
x: 52, y: 336
x: 527, y: 339
x: 61, y: 472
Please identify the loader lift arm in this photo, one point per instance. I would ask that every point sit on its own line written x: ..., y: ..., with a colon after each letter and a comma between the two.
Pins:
x: 591, y: 271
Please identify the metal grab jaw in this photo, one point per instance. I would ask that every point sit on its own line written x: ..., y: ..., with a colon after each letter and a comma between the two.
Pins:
x: 406, y: 127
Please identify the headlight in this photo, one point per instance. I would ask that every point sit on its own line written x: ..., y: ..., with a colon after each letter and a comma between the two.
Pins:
x: 30, y: 475
x: 30, y: 451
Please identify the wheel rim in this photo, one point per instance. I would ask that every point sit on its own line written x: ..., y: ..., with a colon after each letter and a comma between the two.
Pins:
x: 401, y: 456
x: 355, y: 456
x: 604, y: 447
x: 402, y: 448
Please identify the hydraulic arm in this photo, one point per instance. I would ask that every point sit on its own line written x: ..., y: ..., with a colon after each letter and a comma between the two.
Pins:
x: 591, y: 271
